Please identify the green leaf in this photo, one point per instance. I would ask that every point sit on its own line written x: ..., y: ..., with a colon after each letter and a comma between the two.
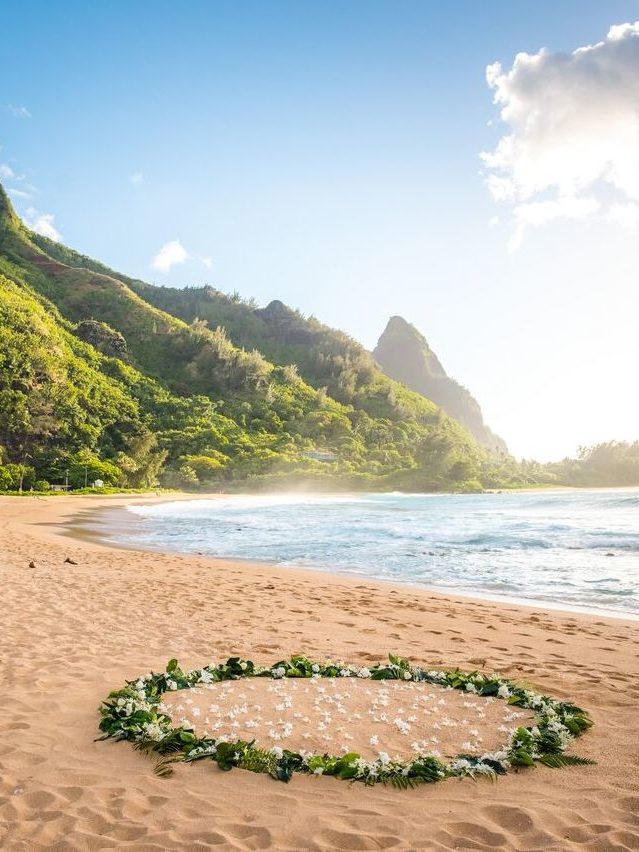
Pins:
x: 164, y: 767
x: 520, y: 757
x: 557, y: 761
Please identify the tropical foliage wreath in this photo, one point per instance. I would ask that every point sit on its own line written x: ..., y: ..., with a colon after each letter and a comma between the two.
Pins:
x: 134, y: 713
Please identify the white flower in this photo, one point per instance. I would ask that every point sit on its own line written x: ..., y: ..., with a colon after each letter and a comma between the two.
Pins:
x: 171, y: 684
x: 318, y: 770
x: 280, y: 671
x: 500, y: 757
x: 277, y: 751
x: 470, y: 687
x: 315, y: 668
x: 364, y: 672
x: 401, y: 725
x: 154, y: 731
x: 407, y: 676
x: 374, y: 740
x: 383, y: 758
x: 503, y: 691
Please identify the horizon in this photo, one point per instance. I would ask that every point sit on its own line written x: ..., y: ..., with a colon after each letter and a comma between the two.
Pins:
x: 337, y: 170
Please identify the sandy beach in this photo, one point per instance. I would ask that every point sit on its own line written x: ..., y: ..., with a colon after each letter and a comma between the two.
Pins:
x: 71, y: 632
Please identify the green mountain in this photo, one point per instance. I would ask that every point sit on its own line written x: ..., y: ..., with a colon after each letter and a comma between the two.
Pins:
x: 111, y: 378
x: 403, y: 354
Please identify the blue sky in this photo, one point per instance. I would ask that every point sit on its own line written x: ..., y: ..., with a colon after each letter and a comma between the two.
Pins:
x: 327, y: 154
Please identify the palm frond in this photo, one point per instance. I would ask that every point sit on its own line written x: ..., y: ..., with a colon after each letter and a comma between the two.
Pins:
x: 403, y: 782
x: 163, y: 767
x: 556, y: 761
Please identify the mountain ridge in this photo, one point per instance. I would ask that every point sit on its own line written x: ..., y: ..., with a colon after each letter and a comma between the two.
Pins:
x: 404, y: 354
x: 201, y: 409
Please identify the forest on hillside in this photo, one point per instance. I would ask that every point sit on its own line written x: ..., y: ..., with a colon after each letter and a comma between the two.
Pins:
x: 104, y: 378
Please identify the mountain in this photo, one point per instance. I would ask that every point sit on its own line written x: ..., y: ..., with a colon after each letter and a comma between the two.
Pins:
x: 403, y: 354
x: 327, y: 359
x: 108, y: 377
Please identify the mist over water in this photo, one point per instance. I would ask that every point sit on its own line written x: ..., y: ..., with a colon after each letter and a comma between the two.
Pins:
x: 564, y: 548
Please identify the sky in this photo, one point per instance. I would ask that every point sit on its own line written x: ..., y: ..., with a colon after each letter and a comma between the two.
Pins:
x: 471, y: 167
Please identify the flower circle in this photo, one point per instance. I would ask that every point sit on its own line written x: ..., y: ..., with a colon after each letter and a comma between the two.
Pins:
x: 134, y: 713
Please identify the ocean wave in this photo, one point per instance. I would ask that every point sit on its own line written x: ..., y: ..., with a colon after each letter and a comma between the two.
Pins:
x: 518, y: 546
x: 629, y: 501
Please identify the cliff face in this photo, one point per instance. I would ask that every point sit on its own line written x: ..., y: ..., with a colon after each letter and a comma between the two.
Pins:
x: 403, y: 354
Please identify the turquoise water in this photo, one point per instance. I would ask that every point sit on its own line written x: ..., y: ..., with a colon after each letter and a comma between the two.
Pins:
x: 575, y: 549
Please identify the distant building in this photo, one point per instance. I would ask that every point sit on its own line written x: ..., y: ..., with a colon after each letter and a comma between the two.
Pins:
x: 320, y: 455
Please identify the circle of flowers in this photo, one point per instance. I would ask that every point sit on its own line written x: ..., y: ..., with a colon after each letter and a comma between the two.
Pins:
x: 134, y: 713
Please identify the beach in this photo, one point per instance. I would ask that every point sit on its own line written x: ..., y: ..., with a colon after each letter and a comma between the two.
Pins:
x: 71, y: 632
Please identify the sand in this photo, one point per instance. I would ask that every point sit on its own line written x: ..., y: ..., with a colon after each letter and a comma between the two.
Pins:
x: 340, y: 716
x: 69, y: 633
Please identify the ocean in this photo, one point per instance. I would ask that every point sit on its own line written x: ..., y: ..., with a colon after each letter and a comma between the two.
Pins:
x: 574, y: 549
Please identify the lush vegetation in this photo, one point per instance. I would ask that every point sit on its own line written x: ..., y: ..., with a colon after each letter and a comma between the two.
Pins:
x: 96, y: 381
x: 611, y: 463
x: 106, y: 378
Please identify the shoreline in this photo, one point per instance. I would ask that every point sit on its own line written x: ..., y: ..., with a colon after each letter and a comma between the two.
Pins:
x: 88, y: 528
x: 74, y: 630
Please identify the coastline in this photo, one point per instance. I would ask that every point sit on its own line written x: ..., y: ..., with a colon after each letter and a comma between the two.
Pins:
x: 91, y: 524
x: 73, y: 631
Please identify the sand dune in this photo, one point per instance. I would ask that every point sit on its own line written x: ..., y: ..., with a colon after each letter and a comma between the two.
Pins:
x: 71, y: 632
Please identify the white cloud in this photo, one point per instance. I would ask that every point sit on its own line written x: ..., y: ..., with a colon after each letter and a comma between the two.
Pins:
x: 572, y: 146
x: 626, y: 215
x: 42, y: 223
x: 19, y: 193
x: 19, y: 111
x: 136, y: 178
x: 536, y: 213
x: 207, y: 261
x: 169, y: 255
x: 6, y: 172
